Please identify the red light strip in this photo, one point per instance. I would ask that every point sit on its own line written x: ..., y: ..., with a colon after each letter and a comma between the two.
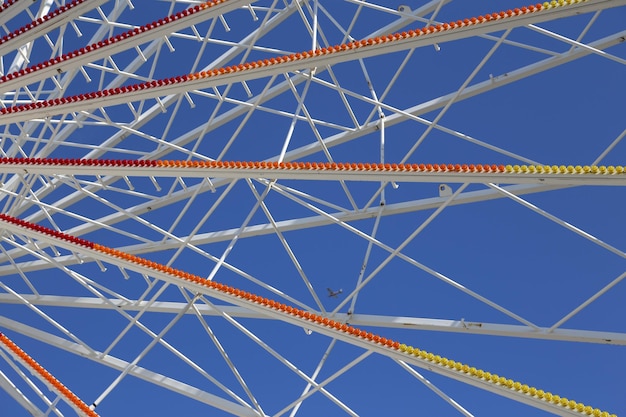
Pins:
x: 172, y: 85
x: 431, y: 359
x: 104, y: 48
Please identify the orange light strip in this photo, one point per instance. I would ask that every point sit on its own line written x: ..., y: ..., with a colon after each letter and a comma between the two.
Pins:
x: 428, y: 358
x: 300, y: 56
x: 61, y: 389
x: 327, y: 166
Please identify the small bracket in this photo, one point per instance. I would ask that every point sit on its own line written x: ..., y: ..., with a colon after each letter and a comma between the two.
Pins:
x: 445, y: 190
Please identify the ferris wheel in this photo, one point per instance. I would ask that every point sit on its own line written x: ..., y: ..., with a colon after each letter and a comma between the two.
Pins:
x: 312, y: 207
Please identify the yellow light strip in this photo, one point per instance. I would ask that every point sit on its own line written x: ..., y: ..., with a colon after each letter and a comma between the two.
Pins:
x: 432, y: 359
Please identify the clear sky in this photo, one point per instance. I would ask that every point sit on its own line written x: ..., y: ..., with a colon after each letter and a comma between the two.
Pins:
x: 537, y: 256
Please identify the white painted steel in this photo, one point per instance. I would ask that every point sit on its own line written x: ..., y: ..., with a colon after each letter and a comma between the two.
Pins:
x: 283, y: 316
x: 47, y: 26
x: 360, y: 320
x: 313, y: 62
x: 278, y: 238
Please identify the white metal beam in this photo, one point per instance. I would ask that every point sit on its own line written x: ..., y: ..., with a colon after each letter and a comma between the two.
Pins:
x: 361, y: 320
x: 469, y: 92
x: 281, y: 315
x: 37, y: 390
x: 78, y: 59
x: 40, y: 373
x: 338, y: 139
x: 268, y: 228
x: 190, y: 83
x: 341, y: 138
x: 9, y: 12
x: 15, y: 393
x: 47, y: 25
x: 153, y: 111
x: 137, y: 371
x: 317, y: 221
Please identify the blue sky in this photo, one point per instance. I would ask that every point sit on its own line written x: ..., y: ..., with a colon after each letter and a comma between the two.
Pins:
x: 498, y: 248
